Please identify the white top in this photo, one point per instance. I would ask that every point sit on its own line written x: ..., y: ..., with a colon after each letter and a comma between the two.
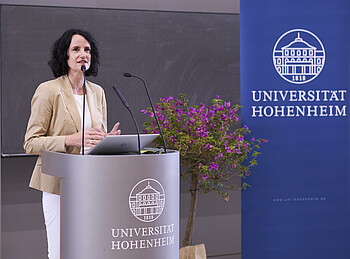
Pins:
x: 88, y: 122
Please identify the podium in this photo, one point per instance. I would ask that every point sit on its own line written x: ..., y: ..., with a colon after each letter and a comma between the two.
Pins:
x: 117, y: 206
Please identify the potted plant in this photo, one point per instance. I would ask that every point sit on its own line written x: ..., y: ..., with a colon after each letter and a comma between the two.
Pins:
x: 211, y: 151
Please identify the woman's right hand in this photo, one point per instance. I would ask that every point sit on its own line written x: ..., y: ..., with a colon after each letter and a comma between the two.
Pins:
x: 91, y: 138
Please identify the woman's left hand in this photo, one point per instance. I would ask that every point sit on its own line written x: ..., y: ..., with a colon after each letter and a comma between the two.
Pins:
x: 115, y: 130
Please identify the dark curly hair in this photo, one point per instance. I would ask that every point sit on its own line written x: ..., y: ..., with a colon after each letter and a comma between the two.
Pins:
x: 59, y: 57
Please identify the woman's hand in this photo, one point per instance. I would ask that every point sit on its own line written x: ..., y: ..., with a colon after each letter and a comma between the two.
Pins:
x: 115, y: 130
x: 91, y: 138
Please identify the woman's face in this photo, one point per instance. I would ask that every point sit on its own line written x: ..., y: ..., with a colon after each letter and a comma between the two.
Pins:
x: 79, y: 53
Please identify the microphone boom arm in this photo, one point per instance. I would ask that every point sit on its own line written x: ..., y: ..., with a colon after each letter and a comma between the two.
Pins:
x: 150, y: 100
x: 121, y: 97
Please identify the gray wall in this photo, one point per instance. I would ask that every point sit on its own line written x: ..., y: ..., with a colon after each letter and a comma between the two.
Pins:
x: 23, y: 231
x: 206, y: 6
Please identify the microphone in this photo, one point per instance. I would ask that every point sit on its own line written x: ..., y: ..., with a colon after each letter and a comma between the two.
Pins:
x: 121, y: 97
x: 83, y: 68
x: 150, y: 100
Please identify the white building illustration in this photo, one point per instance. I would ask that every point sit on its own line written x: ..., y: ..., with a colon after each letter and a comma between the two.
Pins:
x: 299, y: 60
x: 148, y: 203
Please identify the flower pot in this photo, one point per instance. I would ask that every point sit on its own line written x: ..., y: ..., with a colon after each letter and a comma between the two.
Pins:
x: 193, y: 252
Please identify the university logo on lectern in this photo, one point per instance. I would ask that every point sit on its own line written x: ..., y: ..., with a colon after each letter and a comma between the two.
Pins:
x: 299, y: 56
x: 147, y: 200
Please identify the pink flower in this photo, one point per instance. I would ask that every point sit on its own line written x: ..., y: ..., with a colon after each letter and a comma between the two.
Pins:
x: 178, y: 102
x: 253, y: 139
x: 208, y: 146
x: 228, y: 150
x: 169, y: 99
x: 217, y: 157
x: 227, y: 104
x: 204, y: 177
x: 213, y: 166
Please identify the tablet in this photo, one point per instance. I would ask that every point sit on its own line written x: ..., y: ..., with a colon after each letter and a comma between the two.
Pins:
x: 121, y: 144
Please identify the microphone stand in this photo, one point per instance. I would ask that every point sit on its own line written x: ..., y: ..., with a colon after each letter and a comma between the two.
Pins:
x: 83, y: 68
x: 121, y: 97
x: 150, y: 100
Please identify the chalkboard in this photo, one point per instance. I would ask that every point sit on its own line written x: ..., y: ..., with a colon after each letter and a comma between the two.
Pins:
x: 192, y: 53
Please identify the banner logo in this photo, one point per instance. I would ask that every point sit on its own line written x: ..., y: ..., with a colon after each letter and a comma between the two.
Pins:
x: 299, y: 56
x: 147, y: 200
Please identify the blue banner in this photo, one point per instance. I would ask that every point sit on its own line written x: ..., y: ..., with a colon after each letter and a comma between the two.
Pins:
x: 295, y: 92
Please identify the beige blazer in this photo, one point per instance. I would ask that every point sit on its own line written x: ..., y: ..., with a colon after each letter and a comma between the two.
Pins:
x: 54, y: 115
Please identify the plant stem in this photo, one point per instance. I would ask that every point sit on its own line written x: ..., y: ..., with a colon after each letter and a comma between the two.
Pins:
x: 192, y: 213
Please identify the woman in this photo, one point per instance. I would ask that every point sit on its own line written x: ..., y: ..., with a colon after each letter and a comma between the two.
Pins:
x: 55, y: 122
